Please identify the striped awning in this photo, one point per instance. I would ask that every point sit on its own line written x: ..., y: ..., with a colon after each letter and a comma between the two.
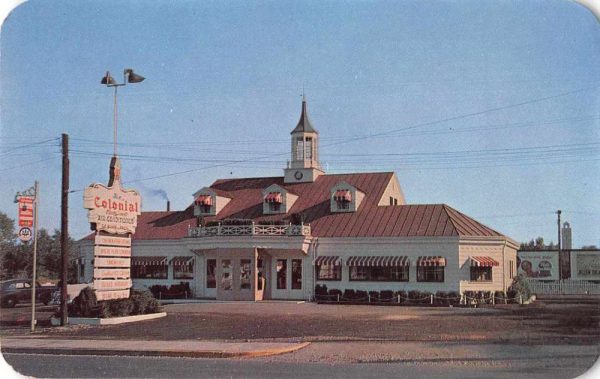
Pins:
x: 148, y: 261
x: 483, y: 262
x: 274, y: 197
x: 329, y: 260
x: 378, y: 261
x: 182, y: 260
x: 343, y: 195
x: 431, y: 261
x: 204, y: 200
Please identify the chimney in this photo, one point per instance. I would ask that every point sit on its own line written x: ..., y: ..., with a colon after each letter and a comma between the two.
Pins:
x: 168, y: 206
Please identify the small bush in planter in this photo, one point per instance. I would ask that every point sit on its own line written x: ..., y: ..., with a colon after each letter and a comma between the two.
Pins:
x: 349, y: 295
x: 441, y: 298
x: 453, y: 297
x: 403, y: 296
x: 519, y: 288
x: 334, y: 295
x: 320, y: 290
x: 374, y: 295
x: 386, y: 296
x: 361, y: 296
x: 414, y: 296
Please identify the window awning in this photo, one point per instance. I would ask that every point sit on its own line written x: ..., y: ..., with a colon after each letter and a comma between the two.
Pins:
x: 343, y: 195
x: 148, y: 261
x: 330, y: 260
x: 431, y: 261
x: 483, y: 262
x: 204, y: 200
x: 378, y: 261
x: 274, y: 197
x: 182, y: 260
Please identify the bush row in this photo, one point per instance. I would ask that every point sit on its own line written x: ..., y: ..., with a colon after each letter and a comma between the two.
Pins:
x: 322, y: 294
x: 138, y: 303
x: 175, y: 291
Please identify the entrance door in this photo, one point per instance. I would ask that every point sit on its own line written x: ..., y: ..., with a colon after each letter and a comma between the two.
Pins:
x: 260, y: 280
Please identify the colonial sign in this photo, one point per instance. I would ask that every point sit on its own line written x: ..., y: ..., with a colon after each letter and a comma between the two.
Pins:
x: 26, y: 204
x: 112, y: 209
x: 113, y: 215
x: 541, y: 265
x: 585, y: 265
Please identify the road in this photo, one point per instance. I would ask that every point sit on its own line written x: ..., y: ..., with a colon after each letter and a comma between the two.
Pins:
x: 162, y: 367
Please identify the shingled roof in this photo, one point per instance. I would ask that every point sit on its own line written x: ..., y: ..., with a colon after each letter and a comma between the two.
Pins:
x: 313, y: 207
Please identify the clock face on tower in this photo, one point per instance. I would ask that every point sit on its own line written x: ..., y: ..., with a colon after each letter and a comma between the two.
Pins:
x: 298, y: 175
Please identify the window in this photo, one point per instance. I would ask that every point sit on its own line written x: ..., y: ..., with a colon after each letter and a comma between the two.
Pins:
x: 391, y: 200
x: 395, y: 201
x: 82, y: 270
x: 211, y: 266
x: 205, y: 208
x: 184, y: 271
x: 245, y: 274
x: 329, y: 272
x: 342, y: 204
x: 226, y: 278
x: 274, y: 207
x: 296, y: 274
x: 481, y: 274
x: 299, y: 149
x: 308, y: 148
x: 379, y: 274
x: 430, y: 273
x: 149, y: 271
x: 510, y: 269
x: 281, y: 274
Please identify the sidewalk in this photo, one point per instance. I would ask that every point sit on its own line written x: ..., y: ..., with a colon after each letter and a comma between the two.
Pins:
x: 180, y: 348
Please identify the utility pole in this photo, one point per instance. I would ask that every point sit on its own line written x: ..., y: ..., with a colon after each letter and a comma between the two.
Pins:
x: 36, y: 203
x: 560, y: 260
x: 64, y: 229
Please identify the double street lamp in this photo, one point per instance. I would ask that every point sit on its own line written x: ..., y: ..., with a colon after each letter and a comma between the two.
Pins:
x: 128, y: 77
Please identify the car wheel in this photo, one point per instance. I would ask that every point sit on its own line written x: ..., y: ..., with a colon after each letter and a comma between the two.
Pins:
x: 9, y: 302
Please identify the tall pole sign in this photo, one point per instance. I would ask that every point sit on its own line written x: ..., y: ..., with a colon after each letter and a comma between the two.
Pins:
x: 113, y: 215
x: 28, y: 203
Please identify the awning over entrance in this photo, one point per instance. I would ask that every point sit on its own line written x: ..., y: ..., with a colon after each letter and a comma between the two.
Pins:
x: 204, y: 200
x: 483, y: 262
x: 274, y: 197
x: 378, y: 261
x: 431, y: 261
x: 343, y: 195
x: 148, y: 261
x: 329, y: 260
x: 182, y: 260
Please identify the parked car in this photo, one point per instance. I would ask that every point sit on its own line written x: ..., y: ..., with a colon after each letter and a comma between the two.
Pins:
x: 16, y: 291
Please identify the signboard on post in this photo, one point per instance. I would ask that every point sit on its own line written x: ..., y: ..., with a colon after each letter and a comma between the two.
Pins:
x: 26, y: 204
x: 585, y: 265
x: 113, y: 215
x: 542, y: 265
x: 25, y: 234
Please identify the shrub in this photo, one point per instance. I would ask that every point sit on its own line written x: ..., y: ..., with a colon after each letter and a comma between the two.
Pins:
x: 386, y: 296
x: 349, y: 295
x: 320, y: 289
x: 85, y: 304
x: 374, y: 296
x: 333, y: 294
x: 414, y: 296
x: 441, y: 298
x: 361, y: 296
x: 403, y: 296
x: 519, y: 287
x: 454, y: 297
x: 142, y: 302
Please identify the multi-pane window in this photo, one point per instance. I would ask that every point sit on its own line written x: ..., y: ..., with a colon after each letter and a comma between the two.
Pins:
x: 342, y: 204
x: 281, y: 274
x: 274, y: 207
x: 481, y: 274
x: 329, y: 272
x: 149, y: 271
x: 245, y: 274
x: 184, y: 271
x: 299, y: 149
x: 226, y: 278
x: 308, y: 148
x: 211, y: 279
x: 430, y: 273
x: 379, y: 273
x: 296, y: 274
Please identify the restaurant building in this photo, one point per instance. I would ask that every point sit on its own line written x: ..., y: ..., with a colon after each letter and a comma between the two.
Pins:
x: 279, y: 237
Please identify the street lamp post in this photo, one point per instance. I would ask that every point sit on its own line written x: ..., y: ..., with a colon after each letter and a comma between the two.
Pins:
x: 128, y: 77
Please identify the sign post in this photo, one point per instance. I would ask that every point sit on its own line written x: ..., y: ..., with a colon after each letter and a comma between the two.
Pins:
x: 28, y: 203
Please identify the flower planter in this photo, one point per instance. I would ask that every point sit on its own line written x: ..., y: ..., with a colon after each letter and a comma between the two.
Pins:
x: 107, y: 321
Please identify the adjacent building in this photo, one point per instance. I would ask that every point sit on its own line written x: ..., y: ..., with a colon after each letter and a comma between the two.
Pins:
x: 279, y: 237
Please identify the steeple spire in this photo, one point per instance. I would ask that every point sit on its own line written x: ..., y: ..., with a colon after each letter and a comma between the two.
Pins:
x: 304, y: 124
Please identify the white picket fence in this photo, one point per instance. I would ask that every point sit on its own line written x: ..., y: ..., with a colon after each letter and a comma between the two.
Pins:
x: 564, y: 287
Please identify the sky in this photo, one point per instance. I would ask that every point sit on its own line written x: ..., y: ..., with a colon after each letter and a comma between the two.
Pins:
x: 489, y: 107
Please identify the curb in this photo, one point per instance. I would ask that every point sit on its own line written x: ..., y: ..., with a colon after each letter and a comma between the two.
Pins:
x: 156, y: 353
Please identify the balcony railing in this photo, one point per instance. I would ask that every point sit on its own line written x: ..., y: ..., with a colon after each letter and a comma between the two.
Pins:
x: 250, y: 230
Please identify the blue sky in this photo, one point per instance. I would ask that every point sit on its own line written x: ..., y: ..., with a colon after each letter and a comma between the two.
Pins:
x: 490, y: 107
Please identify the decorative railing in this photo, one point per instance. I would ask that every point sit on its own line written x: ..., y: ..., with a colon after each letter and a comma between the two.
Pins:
x: 250, y: 230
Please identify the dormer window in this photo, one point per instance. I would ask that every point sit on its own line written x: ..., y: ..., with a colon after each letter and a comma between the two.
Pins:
x: 274, y: 201
x: 204, y: 202
x: 343, y: 198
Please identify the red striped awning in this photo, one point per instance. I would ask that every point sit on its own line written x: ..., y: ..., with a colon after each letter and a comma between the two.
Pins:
x: 182, y: 260
x: 343, y: 195
x: 204, y: 200
x: 274, y: 197
x: 378, y: 261
x: 483, y: 262
x: 431, y: 261
x: 148, y: 261
x: 329, y: 260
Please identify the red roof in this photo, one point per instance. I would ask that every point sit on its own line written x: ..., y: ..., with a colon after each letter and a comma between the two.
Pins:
x: 313, y: 207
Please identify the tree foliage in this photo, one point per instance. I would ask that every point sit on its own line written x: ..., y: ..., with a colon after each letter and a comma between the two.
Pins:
x: 16, y: 258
